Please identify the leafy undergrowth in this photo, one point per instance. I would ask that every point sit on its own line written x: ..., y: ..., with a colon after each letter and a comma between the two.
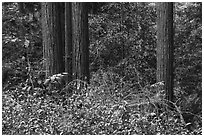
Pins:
x: 81, y: 109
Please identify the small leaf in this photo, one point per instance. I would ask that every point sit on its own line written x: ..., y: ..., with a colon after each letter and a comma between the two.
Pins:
x: 23, y: 58
x: 59, y: 75
x: 47, y: 81
x: 53, y: 78
x: 64, y: 73
x: 29, y: 88
x: 26, y: 43
x: 24, y: 88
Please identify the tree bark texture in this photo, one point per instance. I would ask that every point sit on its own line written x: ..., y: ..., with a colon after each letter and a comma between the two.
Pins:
x: 80, y: 41
x: 165, y: 46
x: 68, y: 40
x: 53, y: 37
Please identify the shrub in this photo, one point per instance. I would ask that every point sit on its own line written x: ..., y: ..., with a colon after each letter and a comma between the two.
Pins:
x: 91, y: 110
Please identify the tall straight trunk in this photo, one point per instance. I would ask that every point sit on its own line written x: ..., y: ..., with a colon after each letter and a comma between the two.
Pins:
x: 53, y: 37
x: 68, y: 40
x: 165, y: 46
x: 80, y: 41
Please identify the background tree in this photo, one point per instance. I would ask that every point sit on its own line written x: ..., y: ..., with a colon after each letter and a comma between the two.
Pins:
x: 53, y: 37
x: 80, y: 40
x: 165, y: 47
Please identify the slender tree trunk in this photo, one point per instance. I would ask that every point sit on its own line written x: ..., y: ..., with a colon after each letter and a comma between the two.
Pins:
x: 53, y: 37
x: 68, y: 40
x: 165, y: 46
x: 80, y: 41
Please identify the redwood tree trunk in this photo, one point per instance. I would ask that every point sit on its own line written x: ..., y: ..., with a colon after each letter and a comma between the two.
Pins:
x: 80, y: 41
x: 68, y: 40
x: 53, y: 37
x: 165, y: 46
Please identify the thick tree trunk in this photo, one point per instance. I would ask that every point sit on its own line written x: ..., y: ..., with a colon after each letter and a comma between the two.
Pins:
x: 68, y: 40
x: 165, y: 46
x: 80, y: 43
x: 53, y: 37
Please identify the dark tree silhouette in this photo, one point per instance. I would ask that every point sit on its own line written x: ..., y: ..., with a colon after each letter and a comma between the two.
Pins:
x: 68, y: 40
x: 80, y: 39
x: 53, y: 37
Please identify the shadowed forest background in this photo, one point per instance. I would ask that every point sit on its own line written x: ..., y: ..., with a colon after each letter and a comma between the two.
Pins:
x: 121, y: 93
